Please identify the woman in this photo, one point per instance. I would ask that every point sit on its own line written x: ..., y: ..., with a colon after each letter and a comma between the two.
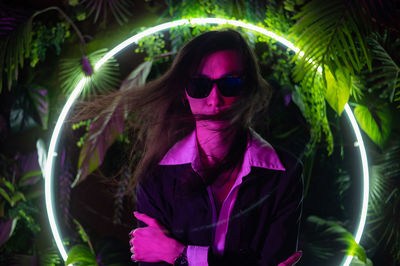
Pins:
x: 210, y: 190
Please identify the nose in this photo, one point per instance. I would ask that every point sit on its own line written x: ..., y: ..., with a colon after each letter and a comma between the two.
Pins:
x: 215, y: 98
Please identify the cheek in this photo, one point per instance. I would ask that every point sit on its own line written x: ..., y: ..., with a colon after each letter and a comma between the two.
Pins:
x: 196, y: 105
x: 230, y: 100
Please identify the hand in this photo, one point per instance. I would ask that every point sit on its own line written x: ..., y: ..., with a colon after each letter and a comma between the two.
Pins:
x: 292, y: 260
x: 151, y: 243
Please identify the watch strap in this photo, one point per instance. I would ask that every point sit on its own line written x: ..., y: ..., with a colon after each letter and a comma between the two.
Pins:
x: 182, y: 260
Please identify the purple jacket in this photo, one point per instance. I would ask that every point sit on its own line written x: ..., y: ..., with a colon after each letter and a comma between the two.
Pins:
x: 263, y: 207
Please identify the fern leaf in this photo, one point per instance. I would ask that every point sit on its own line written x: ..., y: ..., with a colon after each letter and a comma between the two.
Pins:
x: 329, y: 34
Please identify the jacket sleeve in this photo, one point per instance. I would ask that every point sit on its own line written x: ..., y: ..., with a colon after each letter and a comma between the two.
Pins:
x: 281, y: 239
x: 148, y: 201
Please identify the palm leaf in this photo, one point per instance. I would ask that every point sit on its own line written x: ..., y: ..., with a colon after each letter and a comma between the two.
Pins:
x: 385, y: 72
x: 119, y: 9
x: 384, y: 204
x: 328, y: 238
x: 103, y: 80
x: 333, y: 35
x: 15, y: 39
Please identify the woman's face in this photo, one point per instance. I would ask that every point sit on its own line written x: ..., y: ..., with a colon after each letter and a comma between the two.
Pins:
x: 214, y: 66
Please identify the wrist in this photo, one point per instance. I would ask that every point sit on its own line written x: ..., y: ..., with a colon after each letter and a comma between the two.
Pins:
x: 177, y: 249
x: 182, y: 259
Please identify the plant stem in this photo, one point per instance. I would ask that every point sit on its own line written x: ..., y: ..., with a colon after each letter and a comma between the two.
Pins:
x: 66, y: 18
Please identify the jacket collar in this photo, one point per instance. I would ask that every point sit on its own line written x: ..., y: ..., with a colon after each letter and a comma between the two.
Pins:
x: 259, y: 153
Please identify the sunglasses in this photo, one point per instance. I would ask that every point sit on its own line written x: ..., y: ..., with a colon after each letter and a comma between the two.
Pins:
x: 228, y: 86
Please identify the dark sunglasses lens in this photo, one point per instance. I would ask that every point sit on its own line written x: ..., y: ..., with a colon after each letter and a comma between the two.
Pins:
x: 230, y: 87
x: 199, y: 88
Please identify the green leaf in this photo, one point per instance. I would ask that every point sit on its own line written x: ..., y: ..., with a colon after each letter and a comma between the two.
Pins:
x: 9, y: 185
x: 329, y: 238
x: 5, y: 196
x: 81, y: 255
x: 338, y: 91
x: 30, y: 178
x: 332, y: 35
x: 357, y: 262
x: 82, y: 232
x: 375, y: 121
x: 17, y: 197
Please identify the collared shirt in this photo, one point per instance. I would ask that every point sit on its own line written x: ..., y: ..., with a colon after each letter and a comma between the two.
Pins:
x: 259, y: 153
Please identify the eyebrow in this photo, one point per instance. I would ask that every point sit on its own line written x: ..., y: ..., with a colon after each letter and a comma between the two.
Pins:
x: 224, y: 75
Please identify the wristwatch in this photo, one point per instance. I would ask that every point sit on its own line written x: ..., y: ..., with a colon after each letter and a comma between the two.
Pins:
x: 181, y: 260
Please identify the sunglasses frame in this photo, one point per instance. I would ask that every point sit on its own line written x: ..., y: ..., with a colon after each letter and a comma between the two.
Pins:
x: 210, y: 83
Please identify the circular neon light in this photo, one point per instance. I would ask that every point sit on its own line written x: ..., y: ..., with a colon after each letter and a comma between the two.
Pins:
x: 48, y: 172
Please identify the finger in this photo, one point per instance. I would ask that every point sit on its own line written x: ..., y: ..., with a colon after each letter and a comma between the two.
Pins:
x: 292, y: 260
x: 147, y: 219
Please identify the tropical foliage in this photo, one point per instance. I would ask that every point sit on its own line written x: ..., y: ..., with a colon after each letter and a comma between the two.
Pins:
x: 350, y: 55
x: 385, y: 199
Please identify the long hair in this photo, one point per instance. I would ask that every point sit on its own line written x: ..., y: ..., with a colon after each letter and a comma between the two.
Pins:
x: 160, y: 112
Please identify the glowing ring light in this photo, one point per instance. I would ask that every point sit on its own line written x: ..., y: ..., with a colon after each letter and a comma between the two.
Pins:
x: 48, y: 172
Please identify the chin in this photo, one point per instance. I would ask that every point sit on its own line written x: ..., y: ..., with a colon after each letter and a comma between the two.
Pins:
x: 214, y: 125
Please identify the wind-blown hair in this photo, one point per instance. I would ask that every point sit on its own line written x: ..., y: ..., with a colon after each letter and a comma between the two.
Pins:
x: 161, y: 115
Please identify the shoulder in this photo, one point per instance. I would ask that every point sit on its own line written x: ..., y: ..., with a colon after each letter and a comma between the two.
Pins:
x: 291, y: 181
x: 265, y: 155
x: 289, y: 160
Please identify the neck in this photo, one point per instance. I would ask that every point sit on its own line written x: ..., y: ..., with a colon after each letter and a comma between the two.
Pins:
x: 213, y: 142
